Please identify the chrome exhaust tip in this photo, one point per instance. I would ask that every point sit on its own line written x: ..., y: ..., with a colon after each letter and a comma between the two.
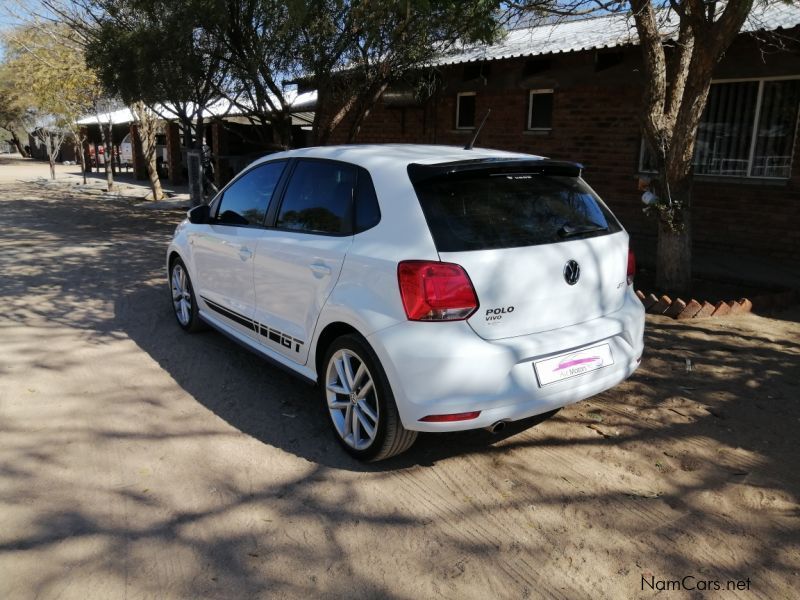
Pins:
x: 496, y: 427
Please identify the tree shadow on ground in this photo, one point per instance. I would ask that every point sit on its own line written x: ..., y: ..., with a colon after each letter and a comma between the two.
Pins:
x: 688, y: 466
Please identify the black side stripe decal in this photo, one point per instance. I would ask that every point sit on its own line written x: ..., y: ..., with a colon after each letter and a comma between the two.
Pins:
x: 241, y: 320
x: 273, y: 335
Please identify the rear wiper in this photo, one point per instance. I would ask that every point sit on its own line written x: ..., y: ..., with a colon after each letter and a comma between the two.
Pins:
x: 568, y: 230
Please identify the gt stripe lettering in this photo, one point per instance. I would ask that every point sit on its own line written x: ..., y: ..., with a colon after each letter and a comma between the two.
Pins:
x: 273, y: 335
x: 278, y: 337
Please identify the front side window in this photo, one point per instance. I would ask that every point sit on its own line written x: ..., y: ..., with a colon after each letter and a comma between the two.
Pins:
x: 486, y: 210
x: 540, y: 110
x: 246, y: 200
x: 747, y: 130
x: 319, y: 198
x: 465, y: 110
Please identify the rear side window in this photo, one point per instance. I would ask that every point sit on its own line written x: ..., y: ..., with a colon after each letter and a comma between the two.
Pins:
x: 481, y: 210
x: 319, y: 198
x: 368, y: 213
x: 246, y: 200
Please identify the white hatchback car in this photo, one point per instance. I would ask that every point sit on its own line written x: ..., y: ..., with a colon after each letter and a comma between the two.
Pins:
x: 424, y: 288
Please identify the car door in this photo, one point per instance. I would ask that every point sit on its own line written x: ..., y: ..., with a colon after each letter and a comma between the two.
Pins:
x: 223, y: 249
x: 299, y: 260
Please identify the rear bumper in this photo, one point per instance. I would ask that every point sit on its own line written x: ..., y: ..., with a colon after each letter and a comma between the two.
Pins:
x: 444, y: 368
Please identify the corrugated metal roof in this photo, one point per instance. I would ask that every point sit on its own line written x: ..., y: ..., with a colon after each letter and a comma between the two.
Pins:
x: 221, y: 108
x: 116, y: 117
x: 609, y: 31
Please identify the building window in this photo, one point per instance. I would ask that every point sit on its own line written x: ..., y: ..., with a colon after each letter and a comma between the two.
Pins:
x: 747, y: 130
x: 465, y: 110
x: 540, y: 110
x: 606, y: 60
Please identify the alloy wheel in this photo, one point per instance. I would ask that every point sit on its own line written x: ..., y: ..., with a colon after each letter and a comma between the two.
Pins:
x: 181, y: 295
x: 352, y: 399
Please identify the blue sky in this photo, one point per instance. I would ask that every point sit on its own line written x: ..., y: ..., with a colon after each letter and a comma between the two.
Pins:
x: 9, y: 11
x: 10, y: 8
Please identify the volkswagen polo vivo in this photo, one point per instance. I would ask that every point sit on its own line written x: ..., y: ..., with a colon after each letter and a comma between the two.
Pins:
x: 423, y: 288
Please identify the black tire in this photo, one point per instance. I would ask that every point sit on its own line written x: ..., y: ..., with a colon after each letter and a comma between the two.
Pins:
x: 391, y: 438
x: 194, y: 322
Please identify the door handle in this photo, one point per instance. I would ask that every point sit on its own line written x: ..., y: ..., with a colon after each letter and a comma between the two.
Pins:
x: 320, y: 269
x: 245, y: 253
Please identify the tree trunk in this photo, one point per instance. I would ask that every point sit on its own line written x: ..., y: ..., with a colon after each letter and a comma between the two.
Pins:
x: 79, y: 152
x: 674, y: 249
x: 333, y: 106
x: 155, y: 182
x: 147, y: 123
x: 366, y: 104
x: 107, y: 145
x: 51, y: 159
x: 282, y: 130
x: 147, y: 134
x: 188, y: 142
x: 18, y: 144
x: 200, y: 132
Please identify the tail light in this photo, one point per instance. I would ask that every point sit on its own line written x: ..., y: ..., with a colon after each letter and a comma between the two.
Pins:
x: 631, y: 266
x: 435, y: 291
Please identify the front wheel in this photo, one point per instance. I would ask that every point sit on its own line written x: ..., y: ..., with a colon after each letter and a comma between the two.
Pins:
x: 360, y: 402
x: 183, y: 300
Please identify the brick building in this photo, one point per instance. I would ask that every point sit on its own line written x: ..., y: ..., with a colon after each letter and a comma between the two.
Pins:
x: 573, y: 91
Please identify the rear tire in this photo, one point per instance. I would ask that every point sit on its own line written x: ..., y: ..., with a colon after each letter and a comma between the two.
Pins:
x: 359, y: 401
x: 184, y: 302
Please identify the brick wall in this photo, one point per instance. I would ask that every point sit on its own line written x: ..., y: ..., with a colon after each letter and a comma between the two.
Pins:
x: 595, y: 122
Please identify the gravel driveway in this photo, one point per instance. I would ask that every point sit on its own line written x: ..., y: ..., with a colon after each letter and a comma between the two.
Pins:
x: 140, y: 462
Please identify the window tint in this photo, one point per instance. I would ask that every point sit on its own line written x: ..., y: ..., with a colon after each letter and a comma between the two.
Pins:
x: 484, y: 210
x: 465, y: 111
x: 540, y: 111
x: 319, y: 198
x: 368, y: 213
x: 245, y: 202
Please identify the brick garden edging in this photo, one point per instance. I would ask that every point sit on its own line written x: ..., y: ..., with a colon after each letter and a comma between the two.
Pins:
x: 694, y: 309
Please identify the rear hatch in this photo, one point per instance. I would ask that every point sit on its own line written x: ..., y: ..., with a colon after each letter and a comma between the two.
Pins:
x: 540, y: 247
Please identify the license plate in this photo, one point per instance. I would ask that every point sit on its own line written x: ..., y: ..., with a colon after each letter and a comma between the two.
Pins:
x: 573, y: 364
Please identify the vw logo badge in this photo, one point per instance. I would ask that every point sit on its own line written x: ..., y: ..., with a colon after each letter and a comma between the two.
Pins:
x: 572, y: 272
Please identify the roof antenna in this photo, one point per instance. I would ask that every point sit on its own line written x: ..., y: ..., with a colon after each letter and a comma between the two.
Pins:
x: 477, y: 131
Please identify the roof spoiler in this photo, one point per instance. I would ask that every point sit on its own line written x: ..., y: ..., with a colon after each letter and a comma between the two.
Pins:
x: 494, y: 166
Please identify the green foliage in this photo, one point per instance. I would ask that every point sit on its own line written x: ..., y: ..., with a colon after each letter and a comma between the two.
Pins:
x: 45, y: 73
x: 161, y: 51
x: 351, y: 50
x: 12, y: 111
x: 259, y: 49
x: 155, y: 50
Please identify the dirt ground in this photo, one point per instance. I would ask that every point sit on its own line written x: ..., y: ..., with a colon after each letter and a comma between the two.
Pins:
x: 137, y: 461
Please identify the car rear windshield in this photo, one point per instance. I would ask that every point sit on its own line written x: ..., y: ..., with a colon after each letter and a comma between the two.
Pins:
x: 481, y: 210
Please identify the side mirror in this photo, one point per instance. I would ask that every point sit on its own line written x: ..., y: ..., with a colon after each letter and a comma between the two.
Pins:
x: 199, y: 214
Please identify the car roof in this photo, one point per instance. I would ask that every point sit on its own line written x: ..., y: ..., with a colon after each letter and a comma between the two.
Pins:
x: 381, y: 156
